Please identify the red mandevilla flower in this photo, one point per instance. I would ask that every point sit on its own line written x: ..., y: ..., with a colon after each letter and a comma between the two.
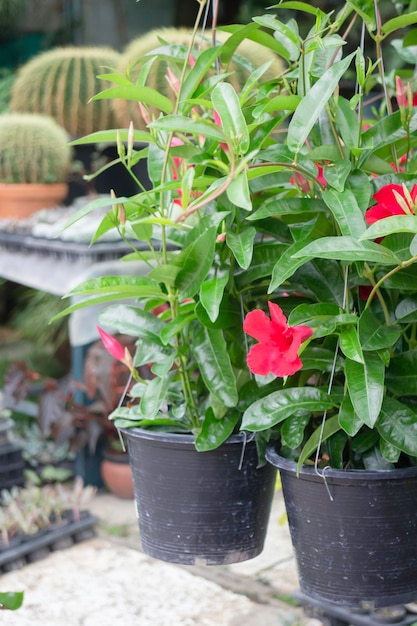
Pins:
x: 277, y: 350
x: 392, y: 200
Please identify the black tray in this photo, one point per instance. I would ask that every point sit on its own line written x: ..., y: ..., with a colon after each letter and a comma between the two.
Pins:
x: 51, y: 539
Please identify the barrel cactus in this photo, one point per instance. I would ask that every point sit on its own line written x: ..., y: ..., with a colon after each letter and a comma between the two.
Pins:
x: 60, y: 83
x: 33, y: 149
x: 252, y: 52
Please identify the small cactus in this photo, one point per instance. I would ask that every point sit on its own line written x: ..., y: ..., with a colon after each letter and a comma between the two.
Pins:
x: 254, y: 53
x: 33, y: 149
x: 60, y: 83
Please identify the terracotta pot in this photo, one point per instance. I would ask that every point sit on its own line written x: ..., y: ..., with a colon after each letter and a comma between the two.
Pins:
x: 20, y: 201
x: 117, y: 475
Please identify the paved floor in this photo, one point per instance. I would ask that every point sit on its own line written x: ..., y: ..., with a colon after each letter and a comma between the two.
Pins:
x: 108, y: 578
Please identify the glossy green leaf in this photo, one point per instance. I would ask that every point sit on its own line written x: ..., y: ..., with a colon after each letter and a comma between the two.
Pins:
x: 110, y: 136
x: 292, y: 430
x: 346, y: 249
x: 125, y: 286
x: 215, y: 431
x: 283, y: 33
x: 194, y: 263
x: 147, y: 95
x: 229, y: 314
x: 202, y: 64
x: 298, y: 6
x: 397, y: 424
x: 287, y: 264
x: 226, y: 103
x: 348, y: 418
x: 320, y: 359
x: 346, y: 211
x: 401, y: 21
x: 309, y: 109
x: 182, y: 124
x: 396, y: 224
x: 313, y: 314
x: 331, y: 426
x: 133, y: 321
x: 210, y: 350
x: 337, y: 173
x: 365, y: 383
x: 211, y: 294
x: 401, y: 376
x: 241, y: 244
x: 406, y: 310
x: 375, y: 334
x: 390, y: 452
x: 155, y: 393
x: 276, y: 407
x: 350, y: 344
x: 238, y: 192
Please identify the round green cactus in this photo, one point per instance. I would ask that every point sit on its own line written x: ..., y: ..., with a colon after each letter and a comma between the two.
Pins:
x: 250, y: 51
x: 33, y: 149
x: 60, y: 83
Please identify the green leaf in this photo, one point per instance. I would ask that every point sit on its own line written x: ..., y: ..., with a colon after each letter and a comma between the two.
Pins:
x: 365, y: 383
x: 215, y: 431
x: 346, y: 211
x: 406, y: 19
x: 196, y: 74
x: 11, y: 600
x: 350, y: 344
x: 387, y: 226
x: 211, y: 353
x: 310, y: 107
x: 283, y: 33
x: 374, y: 334
x: 389, y: 452
x: 133, y: 321
x: 241, y: 244
x: 155, y: 393
x: 147, y: 95
x: 211, y: 293
x: 182, y: 124
x: 276, y: 407
x: 227, y: 105
x: 110, y: 136
x: 195, y: 262
x: 401, y: 376
x: 298, y: 6
x: 331, y: 426
x: 346, y: 249
x: 287, y: 264
x: 238, y: 192
x: 292, y: 430
x: 126, y: 286
x: 397, y: 424
x: 348, y: 418
x: 229, y: 315
x: 406, y: 310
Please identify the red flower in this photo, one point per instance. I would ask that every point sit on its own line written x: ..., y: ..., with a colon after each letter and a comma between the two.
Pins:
x: 277, y: 350
x: 392, y: 200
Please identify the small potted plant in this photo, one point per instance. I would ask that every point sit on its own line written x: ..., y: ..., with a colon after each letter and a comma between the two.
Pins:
x: 34, y: 164
x: 284, y: 210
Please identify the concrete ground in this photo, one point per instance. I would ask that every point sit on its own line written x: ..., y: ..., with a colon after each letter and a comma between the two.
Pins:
x: 108, y: 578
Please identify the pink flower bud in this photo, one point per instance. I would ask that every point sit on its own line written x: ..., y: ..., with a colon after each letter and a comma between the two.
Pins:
x: 400, y: 93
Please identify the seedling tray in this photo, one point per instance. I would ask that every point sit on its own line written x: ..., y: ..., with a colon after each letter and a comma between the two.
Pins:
x: 58, y: 537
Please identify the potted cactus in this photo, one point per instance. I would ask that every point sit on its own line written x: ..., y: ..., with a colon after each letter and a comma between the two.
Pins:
x: 60, y: 83
x: 34, y: 163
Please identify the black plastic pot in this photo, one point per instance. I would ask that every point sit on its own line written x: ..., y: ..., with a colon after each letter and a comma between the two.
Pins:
x: 355, y: 543
x: 199, y: 507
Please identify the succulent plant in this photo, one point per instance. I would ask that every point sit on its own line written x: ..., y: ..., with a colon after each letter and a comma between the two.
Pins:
x: 60, y: 83
x: 249, y: 56
x: 33, y: 149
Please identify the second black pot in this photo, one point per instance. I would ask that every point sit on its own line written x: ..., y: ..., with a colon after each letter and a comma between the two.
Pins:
x: 355, y: 541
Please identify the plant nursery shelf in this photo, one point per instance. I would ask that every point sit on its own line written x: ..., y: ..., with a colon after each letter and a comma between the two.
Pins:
x: 38, y: 546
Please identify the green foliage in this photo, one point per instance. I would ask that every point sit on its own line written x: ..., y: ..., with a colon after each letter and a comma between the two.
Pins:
x: 261, y: 194
x: 33, y: 149
x: 61, y: 82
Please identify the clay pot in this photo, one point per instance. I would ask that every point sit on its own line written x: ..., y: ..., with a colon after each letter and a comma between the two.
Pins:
x: 20, y: 201
x: 117, y: 475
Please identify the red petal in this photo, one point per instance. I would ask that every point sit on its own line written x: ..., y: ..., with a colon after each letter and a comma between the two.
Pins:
x: 258, y: 325
x: 277, y: 316
x: 113, y: 347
